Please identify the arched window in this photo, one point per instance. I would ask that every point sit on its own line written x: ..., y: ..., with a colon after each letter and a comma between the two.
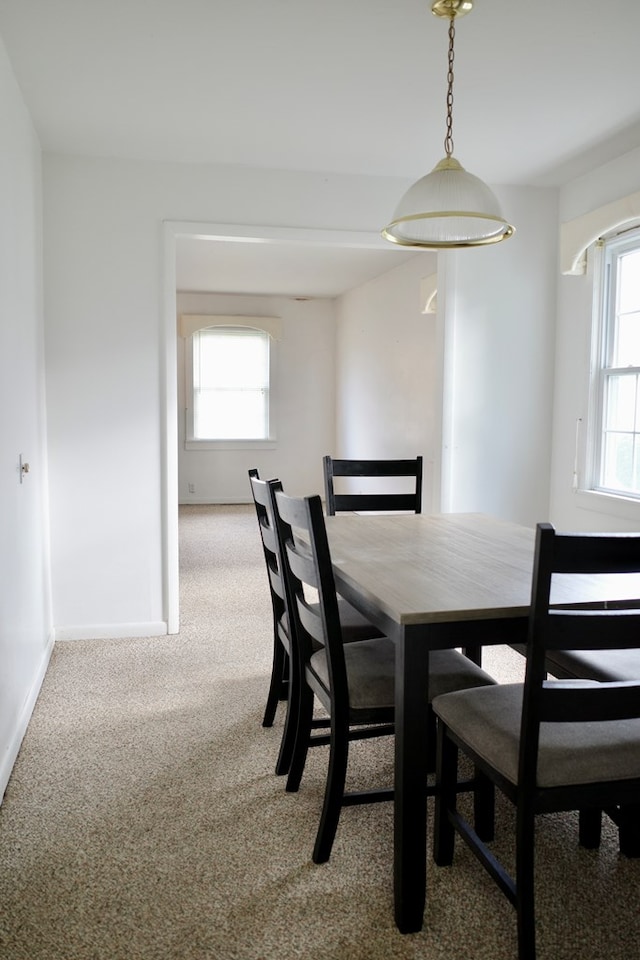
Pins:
x: 615, y: 420
x: 228, y: 377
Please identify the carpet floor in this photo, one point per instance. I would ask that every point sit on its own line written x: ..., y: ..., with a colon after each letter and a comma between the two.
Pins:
x: 143, y: 819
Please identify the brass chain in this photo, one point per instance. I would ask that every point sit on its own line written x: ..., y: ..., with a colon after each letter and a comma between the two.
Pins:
x: 448, y: 140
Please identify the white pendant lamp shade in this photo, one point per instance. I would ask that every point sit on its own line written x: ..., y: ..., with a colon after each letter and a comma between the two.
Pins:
x: 448, y: 208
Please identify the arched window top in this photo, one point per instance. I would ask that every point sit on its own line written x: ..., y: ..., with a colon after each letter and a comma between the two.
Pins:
x: 188, y: 323
x: 576, y: 235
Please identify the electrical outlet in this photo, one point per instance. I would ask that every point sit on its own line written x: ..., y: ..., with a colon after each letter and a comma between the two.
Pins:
x: 192, y: 488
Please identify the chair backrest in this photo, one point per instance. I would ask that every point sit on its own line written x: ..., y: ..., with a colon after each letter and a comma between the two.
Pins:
x: 308, y: 573
x: 590, y: 627
x: 264, y: 510
x: 338, y: 502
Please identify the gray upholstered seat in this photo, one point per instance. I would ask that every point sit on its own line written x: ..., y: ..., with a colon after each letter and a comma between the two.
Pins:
x: 595, y: 664
x: 450, y: 670
x: 569, y: 753
x: 371, y: 673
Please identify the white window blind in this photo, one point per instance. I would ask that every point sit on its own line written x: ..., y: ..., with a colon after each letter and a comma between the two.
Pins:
x: 230, y: 384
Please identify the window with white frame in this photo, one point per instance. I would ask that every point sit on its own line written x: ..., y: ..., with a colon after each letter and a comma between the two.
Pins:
x: 230, y: 374
x: 615, y: 427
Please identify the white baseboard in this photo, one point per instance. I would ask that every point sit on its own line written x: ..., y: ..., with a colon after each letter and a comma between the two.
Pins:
x: 22, y: 720
x: 231, y: 501
x: 112, y: 631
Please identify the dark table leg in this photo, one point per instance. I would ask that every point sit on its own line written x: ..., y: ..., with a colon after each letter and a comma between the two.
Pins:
x: 410, y: 808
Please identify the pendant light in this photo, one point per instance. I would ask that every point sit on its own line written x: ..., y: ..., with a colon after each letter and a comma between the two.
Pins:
x: 448, y: 207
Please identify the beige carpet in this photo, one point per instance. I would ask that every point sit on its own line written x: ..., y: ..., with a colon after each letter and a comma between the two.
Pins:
x: 143, y: 820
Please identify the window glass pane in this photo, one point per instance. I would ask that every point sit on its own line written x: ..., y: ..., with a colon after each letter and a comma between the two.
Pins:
x: 621, y: 403
x: 627, y: 340
x: 231, y: 414
x: 627, y: 336
x: 232, y: 360
x: 617, y: 464
x: 629, y: 282
x: 230, y: 384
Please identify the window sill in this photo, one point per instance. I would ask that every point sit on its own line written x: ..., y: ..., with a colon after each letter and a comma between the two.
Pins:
x: 230, y: 444
x: 627, y: 508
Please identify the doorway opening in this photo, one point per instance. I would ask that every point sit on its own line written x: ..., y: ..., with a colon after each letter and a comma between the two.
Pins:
x: 340, y: 259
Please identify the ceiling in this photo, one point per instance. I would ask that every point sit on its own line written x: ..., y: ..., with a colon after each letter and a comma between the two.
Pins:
x: 543, y: 90
x: 279, y: 269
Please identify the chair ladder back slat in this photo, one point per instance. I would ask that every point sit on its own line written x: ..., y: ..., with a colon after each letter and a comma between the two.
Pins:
x: 596, y: 553
x: 563, y: 702
x: 384, y: 501
x: 276, y: 581
x: 311, y: 620
x: 616, y: 629
x: 268, y: 534
x: 301, y: 563
x: 376, y: 468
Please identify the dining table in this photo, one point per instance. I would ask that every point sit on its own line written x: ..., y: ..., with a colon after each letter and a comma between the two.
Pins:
x: 436, y: 581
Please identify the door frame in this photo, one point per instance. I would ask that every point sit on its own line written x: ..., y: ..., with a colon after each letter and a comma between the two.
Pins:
x: 232, y: 233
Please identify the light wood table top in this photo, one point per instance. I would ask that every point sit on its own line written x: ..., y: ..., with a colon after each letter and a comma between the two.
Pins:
x: 451, y: 567
x: 425, y: 568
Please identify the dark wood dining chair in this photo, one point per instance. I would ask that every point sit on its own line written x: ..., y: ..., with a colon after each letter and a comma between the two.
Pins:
x: 279, y: 682
x: 371, y: 500
x: 283, y: 684
x: 355, y: 682
x: 378, y: 502
x: 550, y: 745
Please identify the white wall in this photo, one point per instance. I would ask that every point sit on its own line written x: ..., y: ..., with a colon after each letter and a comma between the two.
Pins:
x: 302, y: 398
x: 25, y: 609
x: 387, y: 377
x: 571, y: 510
x: 497, y: 305
x: 104, y: 296
x: 104, y: 302
x: 491, y: 350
